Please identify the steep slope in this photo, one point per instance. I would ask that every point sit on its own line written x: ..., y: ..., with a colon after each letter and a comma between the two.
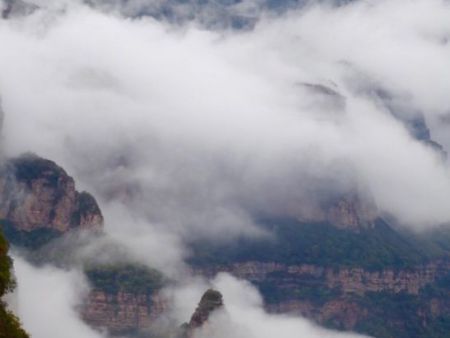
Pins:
x: 378, y: 281
x: 39, y: 202
x: 124, y: 298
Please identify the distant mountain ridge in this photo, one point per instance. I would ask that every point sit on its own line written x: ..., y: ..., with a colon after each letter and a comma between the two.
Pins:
x: 346, y: 271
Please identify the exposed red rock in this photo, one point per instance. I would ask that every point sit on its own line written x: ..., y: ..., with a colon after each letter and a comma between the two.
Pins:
x: 122, y: 311
x: 36, y: 193
x: 348, y: 280
x: 210, y: 301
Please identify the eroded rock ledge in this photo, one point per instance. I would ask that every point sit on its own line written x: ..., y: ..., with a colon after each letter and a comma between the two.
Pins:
x: 36, y: 193
x: 347, y: 280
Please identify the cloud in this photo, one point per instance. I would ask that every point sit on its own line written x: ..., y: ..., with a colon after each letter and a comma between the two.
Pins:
x: 200, y: 130
x: 243, y: 315
x: 185, y: 133
x: 46, y: 300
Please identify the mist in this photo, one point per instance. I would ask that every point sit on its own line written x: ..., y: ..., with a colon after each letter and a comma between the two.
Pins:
x: 193, y: 130
x: 46, y: 301
x: 243, y: 314
x: 183, y: 132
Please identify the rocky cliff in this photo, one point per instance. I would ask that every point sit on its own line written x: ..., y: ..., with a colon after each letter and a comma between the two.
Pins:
x: 36, y: 193
x: 124, y: 297
x: 125, y: 312
x: 347, y: 280
x: 350, y: 212
x: 122, y: 312
x: 345, y: 298
x: 210, y: 302
x: 368, y: 279
x: 412, y: 302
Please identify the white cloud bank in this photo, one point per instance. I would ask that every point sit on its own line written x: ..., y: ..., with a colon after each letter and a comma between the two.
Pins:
x: 46, y: 301
x: 185, y: 133
x: 199, y: 130
x: 243, y: 314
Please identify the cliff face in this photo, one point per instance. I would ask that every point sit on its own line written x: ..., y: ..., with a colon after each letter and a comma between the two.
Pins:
x: 346, y: 313
x: 347, y: 280
x: 124, y: 298
x: 341, y: 298
x: 412, y: 302
x: 122, y: 312
x: 351, y: 213
x: 36, y: 193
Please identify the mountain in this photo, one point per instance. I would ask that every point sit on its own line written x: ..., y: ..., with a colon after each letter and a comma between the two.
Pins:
x: 39, y: 202
x: 345, y: 268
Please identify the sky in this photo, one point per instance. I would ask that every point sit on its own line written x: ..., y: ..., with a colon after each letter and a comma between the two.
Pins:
x: 186, y: 131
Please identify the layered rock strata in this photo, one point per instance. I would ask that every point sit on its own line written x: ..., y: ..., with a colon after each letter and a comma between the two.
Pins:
x: 36, y: 193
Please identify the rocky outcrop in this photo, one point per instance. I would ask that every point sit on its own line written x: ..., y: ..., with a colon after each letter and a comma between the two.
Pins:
x: 347, y: 280
x: 360, y: 281
x: 351, y: 213
x: 343, y: 304
x: 36, y: 193
x: 122, y: 312
x: 125, y: 312
x: 210, y: 302
x: 383, y: 302
x: 347, y: 211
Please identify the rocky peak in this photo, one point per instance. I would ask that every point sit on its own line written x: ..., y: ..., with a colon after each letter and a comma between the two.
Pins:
x: 36, y: 193
x: 211, y: 301
x: 350, y: 212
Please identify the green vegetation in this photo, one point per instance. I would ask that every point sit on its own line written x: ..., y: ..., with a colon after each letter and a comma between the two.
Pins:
x: 323, y: 244
x: 403, y: 316
x: 383, y: 314
x: 33, y: 240
x: 7, y: 282
x: 9, y: 324
x: 125, y: 277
